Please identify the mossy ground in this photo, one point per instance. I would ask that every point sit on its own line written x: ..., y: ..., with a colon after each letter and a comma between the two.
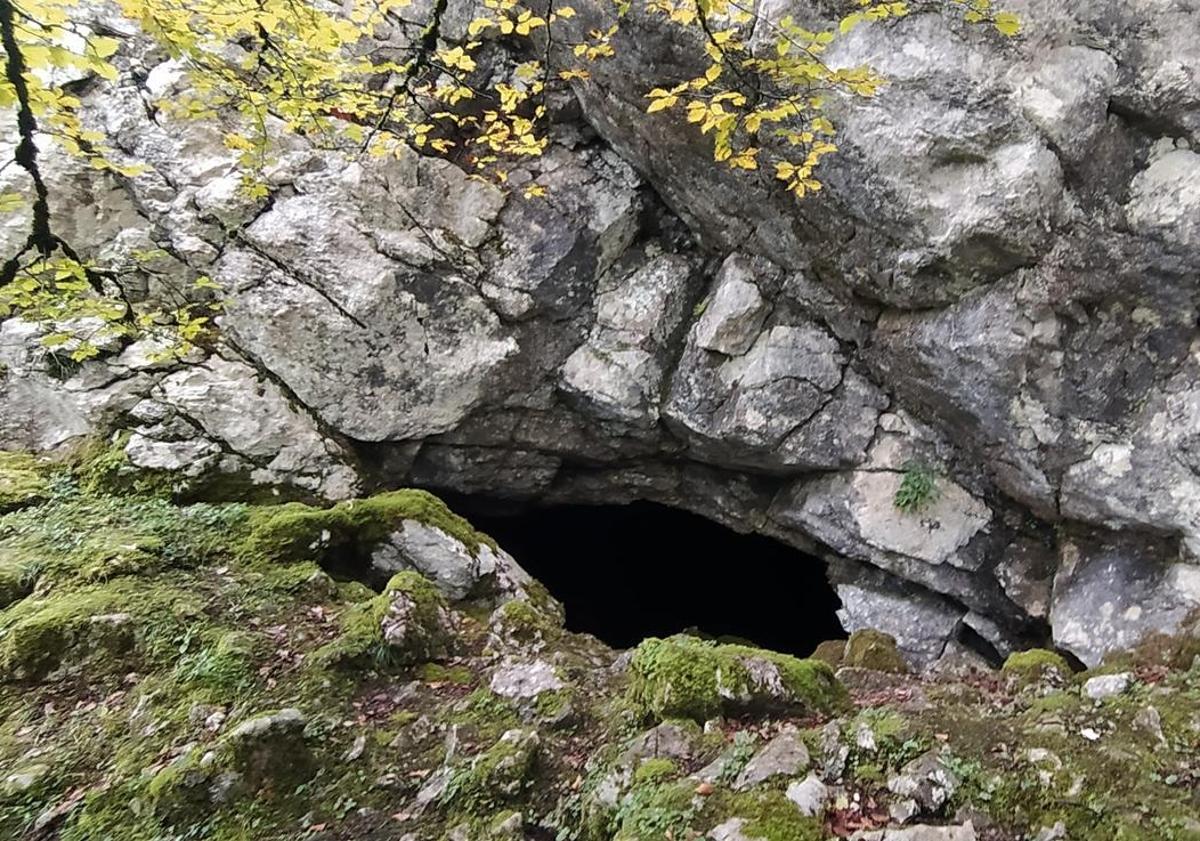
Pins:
x: 139, y: 634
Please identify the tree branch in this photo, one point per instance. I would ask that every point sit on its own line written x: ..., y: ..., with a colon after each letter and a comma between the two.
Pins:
x: 41, y: 237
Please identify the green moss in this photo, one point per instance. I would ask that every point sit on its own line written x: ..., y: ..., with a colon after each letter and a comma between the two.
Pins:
x: 224, y: 669
x: 112, y: 814
x: 362, y: 643
x: 269, y: 749
x: 1054, y: 702
x: 520, y: 621
x: 18, y: 574
x: 179, y: 792
x: 830, y: 651
x: 1037, y: 664
x: 554, y: 707
x: 306, y: 580
x: 38, y: 635
x: 74, y: 538
x: 498, y: 776
x: 266, y: 754
x: 297, y: 531
x: 875, y: 650
x: 484, y: 714
x: 690, y: 678
x: 655, y: 811
x: 885, y: 724
x: 869, y: 772
x: 769, y: 815
x: 103, y: 469
x: 506, y: 826
x: 656, y: 770
x: 22, y: 481
x: 438, y: 673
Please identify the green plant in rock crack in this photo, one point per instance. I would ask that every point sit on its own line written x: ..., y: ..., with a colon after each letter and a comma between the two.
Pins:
x: 656, y: 807
x: 743, y: 750
x: 918, y: 488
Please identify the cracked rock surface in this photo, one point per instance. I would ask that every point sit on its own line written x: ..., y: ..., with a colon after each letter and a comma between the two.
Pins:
x: 999, y: 282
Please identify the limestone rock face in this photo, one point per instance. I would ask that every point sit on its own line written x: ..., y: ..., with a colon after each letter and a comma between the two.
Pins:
x: 998, y: 284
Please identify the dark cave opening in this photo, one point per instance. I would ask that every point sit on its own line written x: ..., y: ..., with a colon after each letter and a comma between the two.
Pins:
x: 627, y: 572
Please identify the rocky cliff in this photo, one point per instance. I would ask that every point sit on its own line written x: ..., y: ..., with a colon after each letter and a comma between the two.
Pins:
x: 997, y: 291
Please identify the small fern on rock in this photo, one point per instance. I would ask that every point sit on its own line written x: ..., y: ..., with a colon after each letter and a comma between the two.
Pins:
x: 918, y: 489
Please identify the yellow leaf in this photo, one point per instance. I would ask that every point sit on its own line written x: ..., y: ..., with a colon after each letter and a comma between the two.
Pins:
x: 662, y: 103
x: 479, y: 25
x: 1007, y: 24
x: 103, y: 47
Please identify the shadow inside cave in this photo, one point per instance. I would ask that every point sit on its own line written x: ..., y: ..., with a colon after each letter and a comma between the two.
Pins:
x: 627, y: 572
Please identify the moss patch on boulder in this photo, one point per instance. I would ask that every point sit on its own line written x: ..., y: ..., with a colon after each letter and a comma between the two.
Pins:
x: 769, y: 815
x: 17, y: 576
x: 295, y: 531
x: 685, y: 677
x: 101, y: 626
x: 409, y: 623
x: 830, y: 651
x: 22, y: 481
x: 500, y: 775
x: 103, y: 468
x: 266, y: 751
x: 1037, y: 665
x: 874, y: 650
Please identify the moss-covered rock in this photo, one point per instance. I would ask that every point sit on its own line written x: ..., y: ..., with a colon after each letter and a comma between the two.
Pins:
x: 21, y: 781
x: 684, y: 677
x: 500, y: 775
x: 1037, y: 665
x: 409, y: 623
x: 295, y: 531
x: 830, y: 651
x: 520, y: 623
x: 770, y: 816
x: 16, y: 578
x: 22, y: 481
x: 114, y: 620
x: 874, y: 650
x: 269, y: 748
x: 656, y: 809
x: 103, y: 468
x: 268, y: 751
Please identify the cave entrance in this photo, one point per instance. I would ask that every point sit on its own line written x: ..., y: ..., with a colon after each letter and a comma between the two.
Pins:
x: 627, y: 572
